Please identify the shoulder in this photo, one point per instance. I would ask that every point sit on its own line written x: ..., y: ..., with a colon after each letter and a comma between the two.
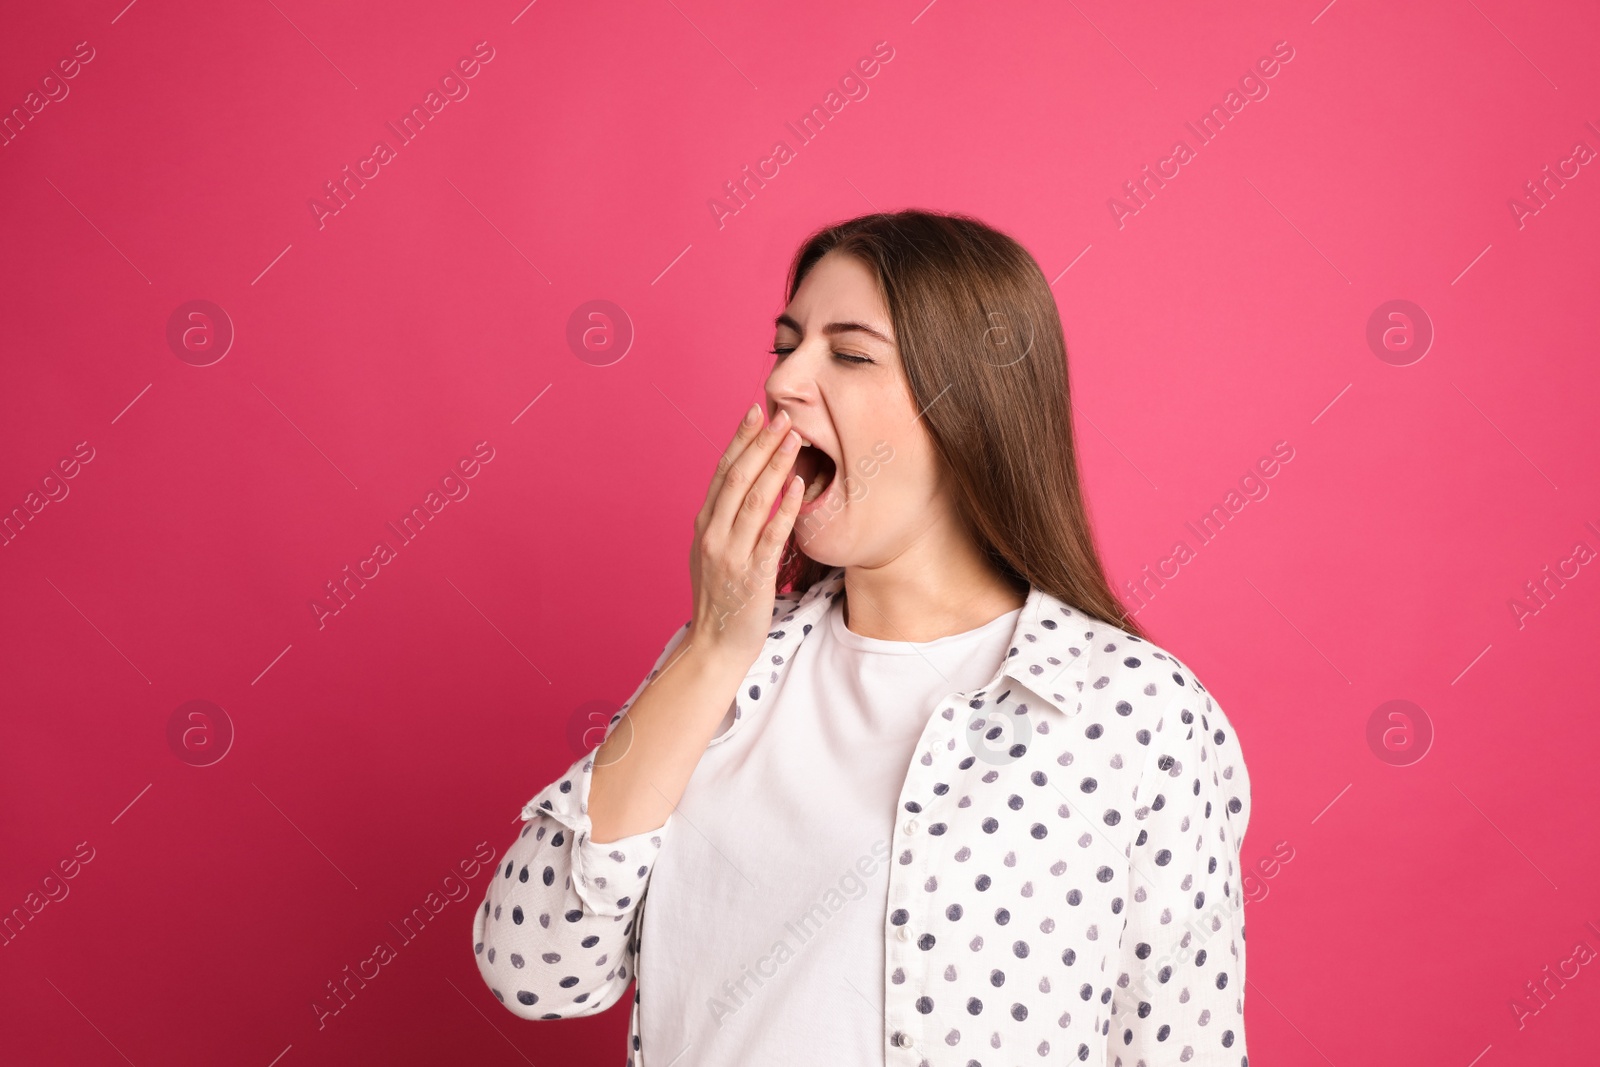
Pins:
x: 1142, y: 690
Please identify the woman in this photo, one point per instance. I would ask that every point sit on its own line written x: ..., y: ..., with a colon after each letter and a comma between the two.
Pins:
x: 941, y: 801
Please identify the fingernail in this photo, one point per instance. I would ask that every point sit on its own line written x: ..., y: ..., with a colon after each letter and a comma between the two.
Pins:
x: 781, y: 418
x: 752, y: 416
x: 791, y: 441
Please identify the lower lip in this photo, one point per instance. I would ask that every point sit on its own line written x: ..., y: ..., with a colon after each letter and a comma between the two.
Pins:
x: 806, y: 509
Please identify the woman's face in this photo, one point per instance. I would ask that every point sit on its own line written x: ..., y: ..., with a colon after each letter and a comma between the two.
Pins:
x: 838, y: 374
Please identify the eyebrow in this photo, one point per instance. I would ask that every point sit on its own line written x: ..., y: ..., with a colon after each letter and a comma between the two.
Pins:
x: 833, y: 328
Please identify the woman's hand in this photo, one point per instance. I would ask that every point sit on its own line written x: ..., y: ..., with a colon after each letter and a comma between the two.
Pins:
x: 733, y: 562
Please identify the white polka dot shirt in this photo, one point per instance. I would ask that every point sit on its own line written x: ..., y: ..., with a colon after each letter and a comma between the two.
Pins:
x: 1063, y: 874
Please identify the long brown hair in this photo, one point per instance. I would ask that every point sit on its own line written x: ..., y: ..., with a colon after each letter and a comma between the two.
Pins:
x: 981, y: 341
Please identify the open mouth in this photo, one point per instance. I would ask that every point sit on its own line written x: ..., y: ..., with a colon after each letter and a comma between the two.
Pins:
x: 816, y: 468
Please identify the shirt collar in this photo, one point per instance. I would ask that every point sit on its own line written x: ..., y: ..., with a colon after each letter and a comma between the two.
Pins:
x: 1049, y: 651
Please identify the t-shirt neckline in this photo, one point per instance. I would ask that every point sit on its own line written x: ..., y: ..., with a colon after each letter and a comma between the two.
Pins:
x: 861, y: 643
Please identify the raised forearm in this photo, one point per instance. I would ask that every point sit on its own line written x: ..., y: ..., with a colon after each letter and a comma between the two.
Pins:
x: 642, y: 769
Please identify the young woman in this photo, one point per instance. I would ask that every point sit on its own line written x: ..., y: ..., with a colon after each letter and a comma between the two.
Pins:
x: 941, y: 801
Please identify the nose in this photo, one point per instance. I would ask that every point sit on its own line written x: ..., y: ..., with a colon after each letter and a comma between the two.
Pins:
x: 792, y: 384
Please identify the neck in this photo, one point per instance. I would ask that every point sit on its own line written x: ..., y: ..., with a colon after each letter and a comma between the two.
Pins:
x: 907, y: 601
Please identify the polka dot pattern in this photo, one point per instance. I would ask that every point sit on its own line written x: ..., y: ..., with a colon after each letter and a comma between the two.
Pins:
x: 556, y: 934
x: 1069, y: 890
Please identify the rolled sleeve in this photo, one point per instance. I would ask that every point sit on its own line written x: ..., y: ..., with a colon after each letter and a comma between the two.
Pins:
x: 608, y: 877
x: 556, y: 934
x: 1181, y: 981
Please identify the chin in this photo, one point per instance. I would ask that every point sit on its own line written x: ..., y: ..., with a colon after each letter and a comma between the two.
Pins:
x: 822, y: 547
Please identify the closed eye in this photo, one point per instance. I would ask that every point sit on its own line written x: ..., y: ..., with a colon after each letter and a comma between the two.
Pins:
x: 843, y: 357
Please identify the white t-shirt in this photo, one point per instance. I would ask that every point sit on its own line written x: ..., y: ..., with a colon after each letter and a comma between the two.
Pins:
x: 763, y: 929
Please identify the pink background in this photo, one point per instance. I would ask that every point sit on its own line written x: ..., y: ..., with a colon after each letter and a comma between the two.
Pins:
x: 373, y: 753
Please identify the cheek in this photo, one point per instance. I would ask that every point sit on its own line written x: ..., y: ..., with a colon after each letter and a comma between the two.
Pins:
x: 914, y: 471
x: 897, y: 480
x: 891, y: 467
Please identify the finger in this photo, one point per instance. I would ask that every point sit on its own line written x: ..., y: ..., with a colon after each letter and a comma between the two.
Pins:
x: 740, y: 477
x: 747, y: 431
x: 776, y: 533
x: 752, y: 515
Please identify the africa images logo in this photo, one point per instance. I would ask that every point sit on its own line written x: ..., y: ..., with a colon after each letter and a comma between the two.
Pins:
x: 453, y: 85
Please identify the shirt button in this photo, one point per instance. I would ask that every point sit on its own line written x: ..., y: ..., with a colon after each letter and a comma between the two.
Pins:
x: 911, y: 826
x: 902, y: 933
x: 903, y: 1039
